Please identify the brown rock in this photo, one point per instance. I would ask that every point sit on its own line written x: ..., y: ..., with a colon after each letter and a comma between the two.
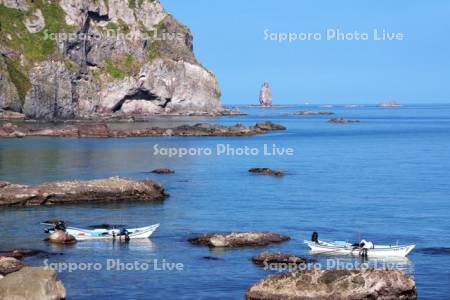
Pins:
x: 266, y: 171
x: 32, y: 284
x: 9, y: 265
x: 93, y: 130
x: 61, y: 237
x: 277, y: 258
x: 78, y: 191
x: 238, y: 239
x: 163, y: 171
x: 336, y: 284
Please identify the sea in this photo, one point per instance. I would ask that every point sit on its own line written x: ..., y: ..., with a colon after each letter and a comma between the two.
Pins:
x: 385, y: 179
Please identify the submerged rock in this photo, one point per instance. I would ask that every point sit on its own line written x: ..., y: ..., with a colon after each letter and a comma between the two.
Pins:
x: 163, y: 171
x: 343, y: 120
x: 238, y: 239
x: 32, y: 284
x: 102, y: 130
x: 265, y: 95
x: 266, y: 171
x: 268, y: 258
x: 312, y: 113
x: 21, y: 253
x: 336, y: 284
x: 79, y: 191
x: 9, y: 265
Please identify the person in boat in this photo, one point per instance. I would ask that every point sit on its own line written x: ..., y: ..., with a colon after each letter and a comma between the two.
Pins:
x: 315, y: 237
x: 363, y: 244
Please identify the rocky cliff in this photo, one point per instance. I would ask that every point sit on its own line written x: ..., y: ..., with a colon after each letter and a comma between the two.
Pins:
x: 65, y: 59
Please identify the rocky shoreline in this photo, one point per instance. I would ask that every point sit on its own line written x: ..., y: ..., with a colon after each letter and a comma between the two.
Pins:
x: 102, y: 130
x: 114, y: 189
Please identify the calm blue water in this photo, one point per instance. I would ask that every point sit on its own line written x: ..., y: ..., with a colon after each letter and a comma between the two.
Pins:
x: 385, y: 179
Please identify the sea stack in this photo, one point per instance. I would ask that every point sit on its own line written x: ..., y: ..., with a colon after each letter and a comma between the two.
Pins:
x: 265, y: 95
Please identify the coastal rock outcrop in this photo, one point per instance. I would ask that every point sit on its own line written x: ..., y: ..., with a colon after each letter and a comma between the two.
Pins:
x: 270, y: 258
x: 79, y: 191
x: 68, y: 59
x: 9, y: 130
x: 313, y: 113
x: 163, y: 171
x: 266, y: 171
x: 238, y: 239
x: 9, y: 265
x: 336, y: 284
x: 32, y: 284
x: 265, y: 95
x: 61, y: 237
x: 342, y: 120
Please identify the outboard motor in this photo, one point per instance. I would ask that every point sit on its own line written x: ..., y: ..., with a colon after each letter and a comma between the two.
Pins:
x: 315, y: 237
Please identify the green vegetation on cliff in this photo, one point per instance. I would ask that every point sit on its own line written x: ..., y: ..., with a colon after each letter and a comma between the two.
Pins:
x: 19, y: 80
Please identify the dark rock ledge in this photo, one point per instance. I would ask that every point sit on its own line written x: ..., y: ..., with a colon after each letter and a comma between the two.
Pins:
x: 238, y: 239
x: 78, y: 191
x: 102, y: 130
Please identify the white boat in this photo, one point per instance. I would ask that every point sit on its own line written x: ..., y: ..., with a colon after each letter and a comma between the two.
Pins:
x: 344, y: 248
x: 106, y: 233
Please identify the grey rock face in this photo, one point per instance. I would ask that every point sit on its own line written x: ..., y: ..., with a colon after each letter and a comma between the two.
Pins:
x: 138, y: 60
x: 9, y: 97
x: 17, y: 4
x: 265, y: 95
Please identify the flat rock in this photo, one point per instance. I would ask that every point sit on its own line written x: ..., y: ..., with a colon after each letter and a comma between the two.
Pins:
x: 336, y: 284
x: 267, y: 258
x: 343, y: 120
x: 238, y: 239
x: 266, y: 171
x: 21, y: 253
x: 32, y: 284
x: 163, y: 171
x: 79, y: 191
x: 102, y: 130
x: 9, y: 265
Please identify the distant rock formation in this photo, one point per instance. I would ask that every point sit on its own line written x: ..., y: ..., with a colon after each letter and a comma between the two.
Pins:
x: 312, y: 113
x: 265, y: 95
x: 163, y: 171
x: 389, y: 104
x: 343, y: 120
x: 336, y: 284
x: 266, y: 171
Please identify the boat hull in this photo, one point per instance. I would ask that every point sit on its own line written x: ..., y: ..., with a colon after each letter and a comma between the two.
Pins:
x: 377, y: 252
x: 109, y: 234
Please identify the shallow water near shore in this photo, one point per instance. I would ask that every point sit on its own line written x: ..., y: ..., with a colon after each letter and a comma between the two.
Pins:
x: 385, y: 179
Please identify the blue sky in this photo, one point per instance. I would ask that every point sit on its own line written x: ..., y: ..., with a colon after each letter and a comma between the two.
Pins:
x: 229, y: 40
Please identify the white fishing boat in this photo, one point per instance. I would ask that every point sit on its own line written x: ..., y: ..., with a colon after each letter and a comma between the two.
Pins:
x: 363, y: 248
x: 107, y: 233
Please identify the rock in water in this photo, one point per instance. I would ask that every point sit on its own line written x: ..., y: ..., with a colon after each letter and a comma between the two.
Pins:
x: 9, y: 265
x: 61, y: 237
x: 267, y: 171
x: 336, y: 285
x: 265, y: 95
x: 32, y: 284
x: 268, y: 258
x: 163, y: 171
x: 238, y: 239
x: 79, y: 191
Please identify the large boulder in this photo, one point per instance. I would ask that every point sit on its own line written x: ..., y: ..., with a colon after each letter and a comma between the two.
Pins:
x: 32, y: 284
x: 238, y: 239
x: 78, y: 191
x: 9, y: 265
x: 336, y: 284
x: 61, y: 237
